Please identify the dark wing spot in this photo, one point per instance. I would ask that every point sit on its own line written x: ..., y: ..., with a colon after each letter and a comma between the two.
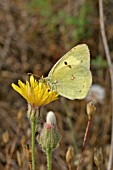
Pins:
x: 69, y: 66
x: 65, y: 62
x: 81, y: 61
x: 79, y: 91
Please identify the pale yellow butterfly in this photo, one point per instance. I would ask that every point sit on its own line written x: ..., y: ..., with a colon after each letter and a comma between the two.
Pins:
x: 71, y: 76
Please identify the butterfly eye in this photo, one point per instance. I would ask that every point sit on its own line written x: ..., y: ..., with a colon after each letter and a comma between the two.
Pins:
x: 48, y: 90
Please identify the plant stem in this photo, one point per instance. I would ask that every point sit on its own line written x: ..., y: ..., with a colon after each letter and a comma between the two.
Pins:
x: 109, y: 60
x: 49, y: 157
x: 85, y: 141
x: 33, y: 143
x: 98, y: 167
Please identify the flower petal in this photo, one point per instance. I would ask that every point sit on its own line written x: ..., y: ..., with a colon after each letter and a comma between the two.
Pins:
x: 35, y: 92
x: 16, y: 88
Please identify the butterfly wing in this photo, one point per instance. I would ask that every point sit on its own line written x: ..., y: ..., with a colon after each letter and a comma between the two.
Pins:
x: 72, y: 83
x: 78, y: 55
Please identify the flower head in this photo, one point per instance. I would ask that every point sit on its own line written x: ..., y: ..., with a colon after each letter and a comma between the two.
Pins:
x: 37, y: 93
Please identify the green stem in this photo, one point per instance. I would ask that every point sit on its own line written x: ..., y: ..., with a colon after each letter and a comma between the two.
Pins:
x: 49, y: 157
x: 33, y: 143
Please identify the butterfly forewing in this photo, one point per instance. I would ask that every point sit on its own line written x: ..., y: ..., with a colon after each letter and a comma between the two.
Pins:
x: 78, y: 55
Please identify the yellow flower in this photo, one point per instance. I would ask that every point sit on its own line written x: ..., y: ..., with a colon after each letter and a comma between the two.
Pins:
x: 35, y: 92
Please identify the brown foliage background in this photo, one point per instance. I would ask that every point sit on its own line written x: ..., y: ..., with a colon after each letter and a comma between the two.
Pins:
x: 33, y: 36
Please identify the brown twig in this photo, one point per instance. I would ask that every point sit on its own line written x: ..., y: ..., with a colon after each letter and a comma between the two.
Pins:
x: 107, y: 52
x: 85, y: 141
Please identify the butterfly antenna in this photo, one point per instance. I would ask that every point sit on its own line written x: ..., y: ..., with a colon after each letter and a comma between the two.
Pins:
x: 34, y: 75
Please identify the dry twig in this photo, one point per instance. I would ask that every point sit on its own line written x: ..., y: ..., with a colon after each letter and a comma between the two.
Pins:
x: 90, y: 111
x: 84, y: 142
x: 107, y: 52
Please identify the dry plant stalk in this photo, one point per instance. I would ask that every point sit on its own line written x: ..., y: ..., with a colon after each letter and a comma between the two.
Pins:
x: 90, y: 111
x: 108, y: 57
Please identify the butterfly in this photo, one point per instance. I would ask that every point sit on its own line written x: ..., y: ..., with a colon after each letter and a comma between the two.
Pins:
x: 71, y: 76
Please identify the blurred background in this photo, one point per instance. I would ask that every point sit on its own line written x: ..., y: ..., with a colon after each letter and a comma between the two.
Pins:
x: 34, y: 34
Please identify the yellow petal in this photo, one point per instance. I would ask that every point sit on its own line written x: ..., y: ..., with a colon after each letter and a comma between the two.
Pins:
x: 35, y: 92
x: 16, y: 88
x: 21, y: 84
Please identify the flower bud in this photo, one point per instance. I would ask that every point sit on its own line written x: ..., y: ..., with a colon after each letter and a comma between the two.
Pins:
x: 51, y: 118
x: 90, y: 109
x: 6, y: 137
x: 70, y: 156
x: 49, y: 137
